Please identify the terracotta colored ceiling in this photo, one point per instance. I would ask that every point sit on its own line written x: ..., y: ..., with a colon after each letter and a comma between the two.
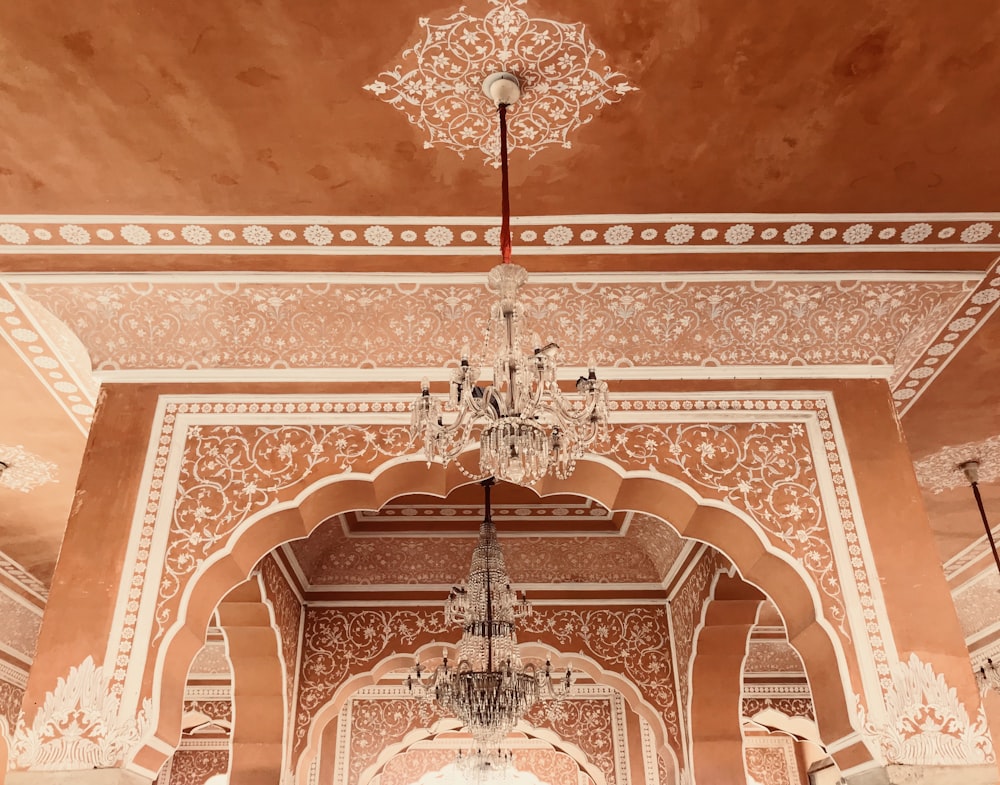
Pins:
x: 118, y: 114
x: 236, y: 108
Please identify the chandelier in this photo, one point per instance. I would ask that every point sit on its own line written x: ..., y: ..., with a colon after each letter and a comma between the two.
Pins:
x: 488, y: 689
x: 485, y: 767
x: 526, y: 425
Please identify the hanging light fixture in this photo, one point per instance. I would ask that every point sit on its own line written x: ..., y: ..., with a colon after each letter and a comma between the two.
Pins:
x: 488, y: 689
x: 485, y: 767
x: 526, y: 425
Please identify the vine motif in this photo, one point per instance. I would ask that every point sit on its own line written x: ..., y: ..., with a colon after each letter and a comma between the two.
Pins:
x: 285, y: 325
x: 765, y: 468
x: 230, y: 472
x: 337, y: 643
x: 790, y: 707
x: 195, y: 767
x: 288, y: 618
x: 771, y: 765
x: 214, y: 709
x: 685, y: 613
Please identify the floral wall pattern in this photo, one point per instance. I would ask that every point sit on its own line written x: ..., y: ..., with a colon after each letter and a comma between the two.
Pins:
x: 194, y: 766
x: 288, y: 618
x: 341, y: 642
x: 333, y: 325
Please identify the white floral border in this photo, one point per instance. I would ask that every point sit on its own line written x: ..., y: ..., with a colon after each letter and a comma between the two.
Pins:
x: 477, y: 235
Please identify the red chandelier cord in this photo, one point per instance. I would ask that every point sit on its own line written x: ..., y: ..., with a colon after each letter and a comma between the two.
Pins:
x: 504, y: 188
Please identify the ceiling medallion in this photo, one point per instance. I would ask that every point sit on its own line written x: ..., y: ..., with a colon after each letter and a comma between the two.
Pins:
x: 526, y: 425
x: 437, y: 84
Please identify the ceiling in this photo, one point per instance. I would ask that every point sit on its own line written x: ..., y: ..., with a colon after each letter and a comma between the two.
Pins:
x: 172, y: 176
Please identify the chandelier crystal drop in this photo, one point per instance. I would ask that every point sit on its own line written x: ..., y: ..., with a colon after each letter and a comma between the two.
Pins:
x: 489, y: 689
x: 527, y: 427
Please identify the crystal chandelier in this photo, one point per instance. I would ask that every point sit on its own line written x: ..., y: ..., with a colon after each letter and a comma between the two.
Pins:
x: 485, y: 767
x: 526, y: 425
x: 489, y: 689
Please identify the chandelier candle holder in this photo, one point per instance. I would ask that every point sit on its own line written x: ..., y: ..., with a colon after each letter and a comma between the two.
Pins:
x: 489, y: 689
x: 526, y: 425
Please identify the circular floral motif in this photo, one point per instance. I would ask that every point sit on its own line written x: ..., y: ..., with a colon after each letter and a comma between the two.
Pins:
x: 469, y: 236
x: 931, y: 361
x: 348, y: 235
x: 739, y: 234
x: 913, y: 383
x: 619, y: 234
x: 43, y: 234
x: 828, y: 234
x: 6, y: 306
x: 962, y: 324
x: 165, y: 234
x: 287, y: 235
x: 439, y: 236
x: 948, y: 231
x: 255, y: 234
x: 137, y: 235
x: 105, y: 234
x: 588, y: 235
x: 24, y: 335
x: 916, y: 233
x: 649, y: 234
x: 769, y: 234
x: 492, y: 236
x: 679, y: 234
x: 903, y: 394
x: 709, y: 234
x: 227, y: 234
x: 74, y: 234
x: 13, y: 234
x: 887, y: 234
x: 973, y: 311
x: 529, y: 236
x: 408, y: 236
x: 857, y: 233
x: 799, y: 233
x: 66, y: 387
x: 44, y: 361
x: 950, y: 337
x: 558, y: 235
x: 318, y: 235
x: 940, y: 348
x: 378, y: 235
x: 985, y: 297
x: 976, y: 232
x: 921, y: 373
x: 196, y: 235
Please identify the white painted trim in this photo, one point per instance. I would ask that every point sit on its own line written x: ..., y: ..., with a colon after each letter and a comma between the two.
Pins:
x: 438, y: 602
x: 580, y: 281
x: 414, y: 375
x: 689, y: 249
x: 491, y: 220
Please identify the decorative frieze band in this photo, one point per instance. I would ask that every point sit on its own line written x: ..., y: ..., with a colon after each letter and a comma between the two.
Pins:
x: 478, y: 235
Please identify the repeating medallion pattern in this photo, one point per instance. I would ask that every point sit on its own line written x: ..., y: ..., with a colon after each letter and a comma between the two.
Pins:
x: 233, y: 324
x: 558, y: 66
x: 434, y: 235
